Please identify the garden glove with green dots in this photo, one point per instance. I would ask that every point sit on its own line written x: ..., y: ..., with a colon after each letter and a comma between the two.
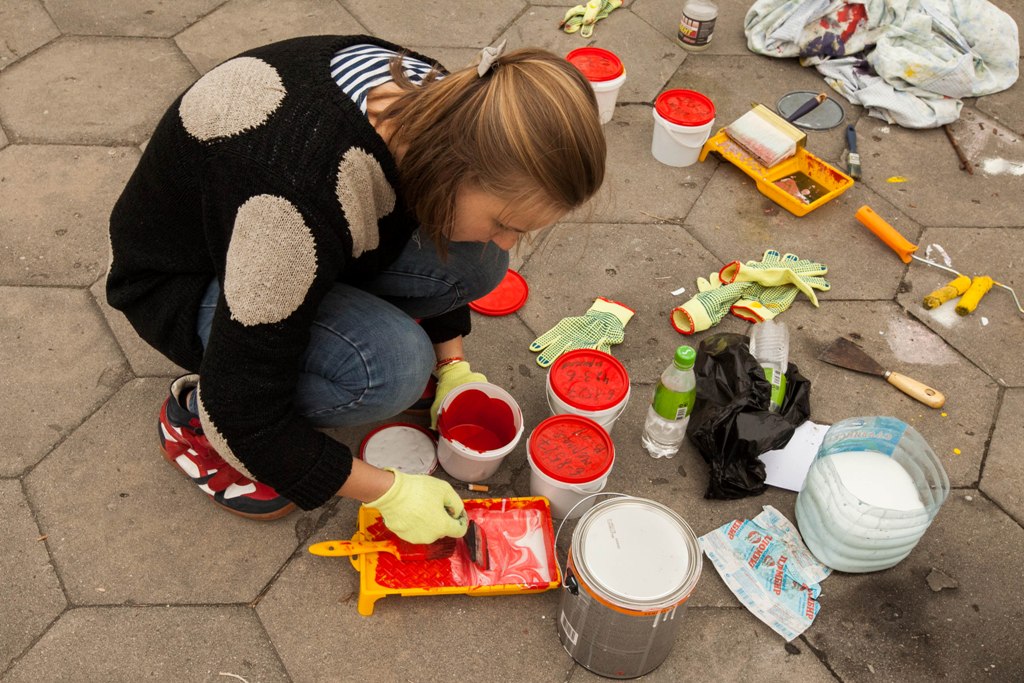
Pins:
x: 709, y: 306
x: 775, y: 270
x: 599, y: 328
x: 583, y: 17
x: 421, y: 509
x: 448, y: 377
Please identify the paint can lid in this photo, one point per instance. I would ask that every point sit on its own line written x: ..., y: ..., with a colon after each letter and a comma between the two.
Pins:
x: 588, y: 379
x: 571, y: 449
x: 408, y: 448
x: 508, y: 297
x: 636, y: 553
x: 685, y: 107
x: 596, y: 63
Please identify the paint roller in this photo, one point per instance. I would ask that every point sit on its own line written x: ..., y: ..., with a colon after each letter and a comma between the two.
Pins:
x: 972, y: 293
x: 768, y: 137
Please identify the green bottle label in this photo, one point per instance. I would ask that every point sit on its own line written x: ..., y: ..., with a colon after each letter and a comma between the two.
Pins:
x: 778, y: 382
x: 673, y: 405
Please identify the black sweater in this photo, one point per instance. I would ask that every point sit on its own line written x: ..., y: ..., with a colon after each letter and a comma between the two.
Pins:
x: 266, y: 176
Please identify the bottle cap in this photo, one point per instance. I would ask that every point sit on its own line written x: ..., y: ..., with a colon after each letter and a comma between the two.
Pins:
x: 685, y: 357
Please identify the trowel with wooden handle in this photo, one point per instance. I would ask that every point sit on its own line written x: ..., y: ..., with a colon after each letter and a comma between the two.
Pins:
x: 845, y: 354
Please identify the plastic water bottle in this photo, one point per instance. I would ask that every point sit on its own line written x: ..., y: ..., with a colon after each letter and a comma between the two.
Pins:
x: 670, y: 410
x: 769, y: 345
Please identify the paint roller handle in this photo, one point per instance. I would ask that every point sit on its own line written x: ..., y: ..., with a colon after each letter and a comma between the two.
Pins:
x: 807, y: 107
x: 885, y: 232
x: 919, y: 391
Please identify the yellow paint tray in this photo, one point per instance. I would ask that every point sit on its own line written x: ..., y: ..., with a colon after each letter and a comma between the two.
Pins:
x: 799, y: 184
x: 511, y: 526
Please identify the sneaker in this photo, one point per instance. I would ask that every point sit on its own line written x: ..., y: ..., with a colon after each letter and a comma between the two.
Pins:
x: 422, y: 405
x: 185, y: 446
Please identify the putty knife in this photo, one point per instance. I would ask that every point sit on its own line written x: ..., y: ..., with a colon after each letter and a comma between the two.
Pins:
x: 845, y: 354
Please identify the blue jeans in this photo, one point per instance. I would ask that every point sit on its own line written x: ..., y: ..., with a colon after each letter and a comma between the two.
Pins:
x: 368, y: 359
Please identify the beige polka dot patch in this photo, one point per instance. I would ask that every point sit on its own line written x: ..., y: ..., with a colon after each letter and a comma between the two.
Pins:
x: 234, y: 97
x: 365, y: 196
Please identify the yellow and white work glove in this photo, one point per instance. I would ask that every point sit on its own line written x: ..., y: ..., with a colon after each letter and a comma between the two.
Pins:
x: 583, y: 17
x: 708, y: 307
x: 599, y: 328
x: 421, y: 509
x: 775, y: 270
x: 448, y: 377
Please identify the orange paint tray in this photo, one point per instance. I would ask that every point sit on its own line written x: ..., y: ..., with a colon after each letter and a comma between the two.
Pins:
x: 520, y: 541
x: 799, y: 184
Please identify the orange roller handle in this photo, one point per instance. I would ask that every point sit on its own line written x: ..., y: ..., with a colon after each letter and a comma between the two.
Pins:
x: 885, y: 232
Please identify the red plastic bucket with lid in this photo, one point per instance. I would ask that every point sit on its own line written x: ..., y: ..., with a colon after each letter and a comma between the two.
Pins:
x: 682, y: 124
x: 570, y: 459
x: 606, y: 74
x: 590, y: 383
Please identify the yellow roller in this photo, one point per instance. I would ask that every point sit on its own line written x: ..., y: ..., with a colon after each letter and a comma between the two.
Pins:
x: 951, y: 291
x: 969, y: 301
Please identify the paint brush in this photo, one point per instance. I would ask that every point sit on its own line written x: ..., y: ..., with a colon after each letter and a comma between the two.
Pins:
x: 768, y: 137
x: 852, y: 157
x: 403, y: 550
x: 476, y: 544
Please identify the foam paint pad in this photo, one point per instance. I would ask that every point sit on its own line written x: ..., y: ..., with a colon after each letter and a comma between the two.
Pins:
x: 478, y: 421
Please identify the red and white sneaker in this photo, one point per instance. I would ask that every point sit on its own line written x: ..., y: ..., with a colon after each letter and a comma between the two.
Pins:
x: 185, y: 446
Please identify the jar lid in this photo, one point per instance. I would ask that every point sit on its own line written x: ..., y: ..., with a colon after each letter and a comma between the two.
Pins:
x: 587, y: 379
x: 685, y: 107
x: 408, y: 448
x: 596, y: 64
x: 508, y: 297
x: 571, y: 449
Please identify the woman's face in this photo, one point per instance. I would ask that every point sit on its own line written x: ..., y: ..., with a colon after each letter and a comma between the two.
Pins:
x: 482, y: 217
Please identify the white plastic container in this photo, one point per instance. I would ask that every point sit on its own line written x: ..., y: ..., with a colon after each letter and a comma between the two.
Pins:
x: 467, y: 464
x: 590, y: 383
x: 408, y: 448
x: 570, y: 458
x: 870, y: 494
x: 682, y: 124
x: 606, y: 74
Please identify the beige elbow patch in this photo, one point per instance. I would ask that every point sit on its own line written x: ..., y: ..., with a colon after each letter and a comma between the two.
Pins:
x: 365, y: 196
x: 271, y: 261
x: 217, y: 441
x: 236, y: 96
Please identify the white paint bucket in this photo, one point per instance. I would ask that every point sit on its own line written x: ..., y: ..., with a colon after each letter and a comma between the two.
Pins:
x: 682, y: 124
x: 590, y: 383
x: 632, y: 565
x: 606, y: 74
x: 462, y: 461
x: 570, y: 459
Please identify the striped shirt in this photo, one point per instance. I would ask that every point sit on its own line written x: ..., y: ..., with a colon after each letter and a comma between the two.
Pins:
x: 360, y: 68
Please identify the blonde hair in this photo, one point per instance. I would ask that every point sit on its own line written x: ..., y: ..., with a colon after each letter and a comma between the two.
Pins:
x: 528, y: 130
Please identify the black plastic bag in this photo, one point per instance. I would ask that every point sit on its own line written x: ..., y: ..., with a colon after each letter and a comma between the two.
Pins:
x: 731, y: 424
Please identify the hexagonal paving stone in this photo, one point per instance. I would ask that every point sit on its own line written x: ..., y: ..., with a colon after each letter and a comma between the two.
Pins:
x: 59, y: 201
x: 105, y: 100
x: 1005, y: 107
x: 648, y: 57
x: 64, y: 363
x: 463, y: 24
x: 128, y: 18
x: 240, y: 25
x: 159, y: 643
x: 32, y: 594
x: 24, y: 27
x: 1004, y: 468
x: 136, y: 530
x: 988, y: 198
x: 728, y: 38
x: 898, y: 343
x: 951, y: 610
x: 995, y: 326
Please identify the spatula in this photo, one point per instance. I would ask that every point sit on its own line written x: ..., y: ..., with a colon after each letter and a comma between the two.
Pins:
x: 845, y: 354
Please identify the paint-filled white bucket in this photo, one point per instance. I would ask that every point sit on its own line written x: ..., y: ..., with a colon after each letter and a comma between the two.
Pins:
x: 606, y: 74
x: 590, y: 383
x: 570, y: 459
x: 682, y: 124
x: 632, y: 565
x: 462, y: 461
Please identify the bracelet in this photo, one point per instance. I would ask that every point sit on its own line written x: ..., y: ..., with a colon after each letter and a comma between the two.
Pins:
x: 448, y: 361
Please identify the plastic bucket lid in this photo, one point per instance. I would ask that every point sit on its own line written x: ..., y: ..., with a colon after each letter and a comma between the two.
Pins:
x: 408, y: 448
x: 685, y: 108
x: 636, y: 553
x: 508, y: 297
x: 589, y: 380
x: 571, y: 449
x: 596, y: 63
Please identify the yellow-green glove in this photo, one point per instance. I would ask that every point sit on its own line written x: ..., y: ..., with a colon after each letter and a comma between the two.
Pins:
x: 421, y: 509
x: 583, y: 17
x: 708, y: 307
x: 448, y: 377
x: 601, y: 326
x: 774, y: 270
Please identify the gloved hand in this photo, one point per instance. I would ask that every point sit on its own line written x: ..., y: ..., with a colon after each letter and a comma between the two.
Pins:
x: 708, y: 307
x: 421, y: 509
x: 601, y: 326
x: 448, y: 377
x: 774, y: 270
x: 583, y: 17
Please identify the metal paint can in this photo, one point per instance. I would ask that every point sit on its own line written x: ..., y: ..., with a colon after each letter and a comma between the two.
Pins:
x: 632, y: 565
